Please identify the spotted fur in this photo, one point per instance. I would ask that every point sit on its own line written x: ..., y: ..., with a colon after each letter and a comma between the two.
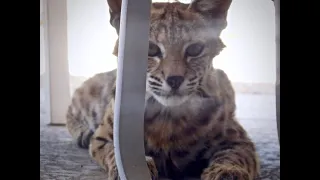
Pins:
x: 190, y: 124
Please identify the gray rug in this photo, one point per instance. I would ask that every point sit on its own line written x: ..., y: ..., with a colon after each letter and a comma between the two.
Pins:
x: 61, y: 159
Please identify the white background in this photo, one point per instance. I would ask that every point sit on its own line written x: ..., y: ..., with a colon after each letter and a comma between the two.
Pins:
x: 250, y: 39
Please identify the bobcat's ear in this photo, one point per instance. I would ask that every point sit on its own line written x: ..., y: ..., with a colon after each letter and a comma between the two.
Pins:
x: 215, y: 10
x: 115, y: 12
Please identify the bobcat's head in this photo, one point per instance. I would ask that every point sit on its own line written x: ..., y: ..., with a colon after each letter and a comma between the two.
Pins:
x: 183, y: 40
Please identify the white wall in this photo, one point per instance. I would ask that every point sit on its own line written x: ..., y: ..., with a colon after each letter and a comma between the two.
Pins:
x: 90, y: 37
x: 42, y: 60
x: 250, y: 39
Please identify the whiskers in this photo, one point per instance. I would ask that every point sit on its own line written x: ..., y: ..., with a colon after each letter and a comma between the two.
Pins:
x: 155, y: 84
x: 192, y: 85
x: 195, y: 87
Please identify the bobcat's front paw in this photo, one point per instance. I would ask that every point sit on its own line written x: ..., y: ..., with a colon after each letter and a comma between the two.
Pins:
x: 225, y: 172
x: 109, y: 165
x: 113, y: 174
x: 112, y: 171
x: 152, y: 168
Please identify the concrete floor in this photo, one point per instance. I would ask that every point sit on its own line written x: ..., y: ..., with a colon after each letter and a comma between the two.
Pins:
x: 61, y: 159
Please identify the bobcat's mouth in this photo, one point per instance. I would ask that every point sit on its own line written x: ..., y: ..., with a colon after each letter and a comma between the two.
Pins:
x: 172, y: 94
x: 171, y: 98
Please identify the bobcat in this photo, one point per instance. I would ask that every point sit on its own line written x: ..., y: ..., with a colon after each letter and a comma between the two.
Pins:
x: 190, y: 124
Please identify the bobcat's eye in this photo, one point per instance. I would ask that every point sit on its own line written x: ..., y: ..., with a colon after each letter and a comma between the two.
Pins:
x: 154, y: 50
x: 194, y: 50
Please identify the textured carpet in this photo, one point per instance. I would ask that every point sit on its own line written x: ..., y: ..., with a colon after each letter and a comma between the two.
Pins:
x: 61, y: 159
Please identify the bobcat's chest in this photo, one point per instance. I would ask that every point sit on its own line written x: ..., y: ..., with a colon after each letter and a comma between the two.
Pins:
x: 165, y: 134
x: 176, y: 154
x: 175, y: 136
x: 179, y: 126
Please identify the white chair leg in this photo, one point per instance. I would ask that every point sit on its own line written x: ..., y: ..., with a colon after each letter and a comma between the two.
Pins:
x: 130, y: 92
x: 277, y: 10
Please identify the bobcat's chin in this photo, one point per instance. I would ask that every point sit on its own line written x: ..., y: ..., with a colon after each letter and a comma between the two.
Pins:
x: 171, y: 100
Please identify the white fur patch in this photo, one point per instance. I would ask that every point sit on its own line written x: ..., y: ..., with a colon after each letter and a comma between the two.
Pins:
x: 171, y: 101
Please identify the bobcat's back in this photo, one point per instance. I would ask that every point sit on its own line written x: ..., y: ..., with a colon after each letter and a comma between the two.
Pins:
x: 88, y: 105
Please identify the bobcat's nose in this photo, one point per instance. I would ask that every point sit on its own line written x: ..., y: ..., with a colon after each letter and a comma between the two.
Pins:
x: 175, y: 81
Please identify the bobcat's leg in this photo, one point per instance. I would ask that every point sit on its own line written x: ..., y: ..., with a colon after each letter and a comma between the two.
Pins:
x: 101, y: 147
x: 234, y: 158
x: 102, y: 150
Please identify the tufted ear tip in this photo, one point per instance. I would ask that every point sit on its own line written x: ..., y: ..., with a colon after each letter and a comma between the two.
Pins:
x: 214, y: 11
x: 115, y: 12
x: 115, y: 5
